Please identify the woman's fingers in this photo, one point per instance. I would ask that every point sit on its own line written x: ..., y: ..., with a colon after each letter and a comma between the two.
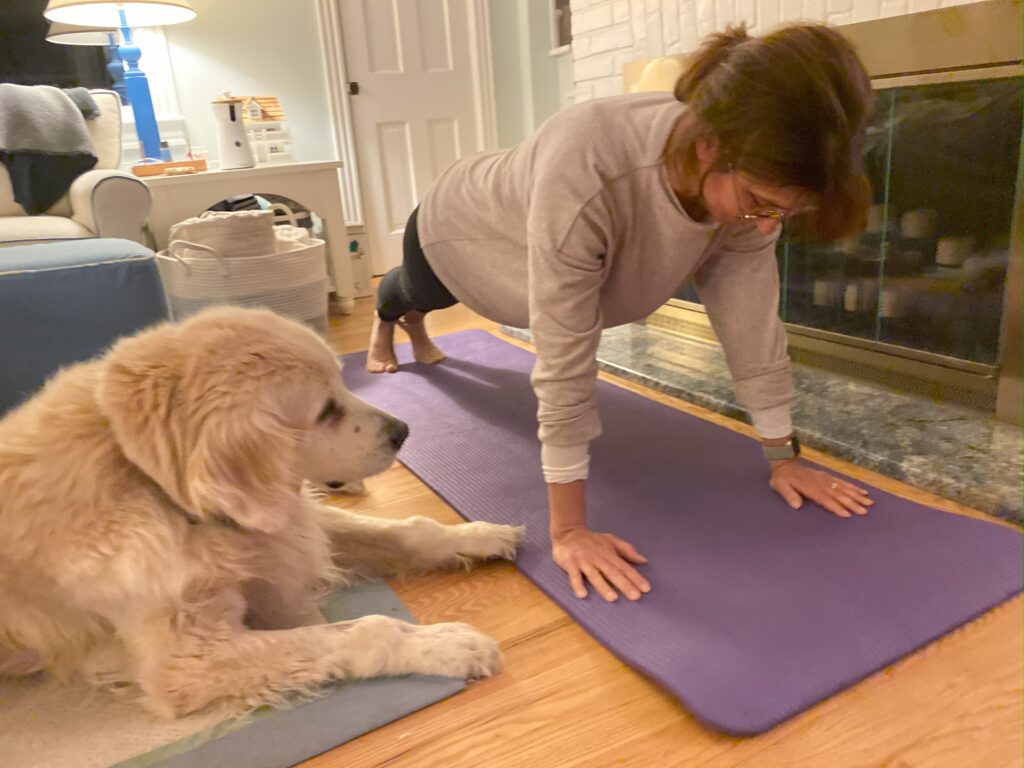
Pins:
x: 600, y: 558
x: 623, y: 576
x: 598, y: 582
x: 852, y: 497
x: 854, y: 490
x: 576, y: 583
x: 786, y: 490
x: 839, y: 492
x: 608, y: 575
x: 830, y: 503
x: 630, y: 555
x: 853, y: 503
x: 834, y: 494
x: 627, y: 550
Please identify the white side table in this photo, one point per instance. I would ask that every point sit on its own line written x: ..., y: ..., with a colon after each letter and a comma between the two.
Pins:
x: 315, y: 185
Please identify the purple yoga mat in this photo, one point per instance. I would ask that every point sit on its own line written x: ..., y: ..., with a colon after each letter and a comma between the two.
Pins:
x: 757, y: 611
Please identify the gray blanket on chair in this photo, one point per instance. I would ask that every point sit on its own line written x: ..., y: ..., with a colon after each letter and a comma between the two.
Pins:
x: 44, y: 143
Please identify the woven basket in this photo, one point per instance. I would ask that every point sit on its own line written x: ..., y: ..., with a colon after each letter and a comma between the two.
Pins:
x: 292, y: 282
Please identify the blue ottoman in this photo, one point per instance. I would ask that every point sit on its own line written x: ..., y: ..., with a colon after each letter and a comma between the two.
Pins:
x: 67, y: 301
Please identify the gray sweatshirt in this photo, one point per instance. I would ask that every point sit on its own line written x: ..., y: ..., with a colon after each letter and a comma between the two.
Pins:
x: 577, y: 229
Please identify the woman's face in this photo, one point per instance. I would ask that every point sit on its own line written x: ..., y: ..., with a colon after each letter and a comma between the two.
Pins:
x: 729, y: 195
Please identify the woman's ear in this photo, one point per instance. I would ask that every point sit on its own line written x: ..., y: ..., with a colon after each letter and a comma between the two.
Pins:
x: 706, y: 148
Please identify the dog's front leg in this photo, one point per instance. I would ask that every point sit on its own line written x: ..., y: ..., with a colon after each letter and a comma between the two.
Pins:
x: 370, y: 547
x: 271, y: 606
x: 186, y: 671
x: 19, y: 663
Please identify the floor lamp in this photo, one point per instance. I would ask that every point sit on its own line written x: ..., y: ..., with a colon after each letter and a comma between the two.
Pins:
x: 123, y: 16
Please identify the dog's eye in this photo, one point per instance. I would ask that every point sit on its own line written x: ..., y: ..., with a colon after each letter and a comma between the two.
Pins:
x: 330, y: 412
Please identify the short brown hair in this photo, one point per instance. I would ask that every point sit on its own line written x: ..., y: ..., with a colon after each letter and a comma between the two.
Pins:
x: 791, y: 109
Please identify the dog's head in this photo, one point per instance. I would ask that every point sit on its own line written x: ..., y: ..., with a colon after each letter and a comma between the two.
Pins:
x: 232, y: 409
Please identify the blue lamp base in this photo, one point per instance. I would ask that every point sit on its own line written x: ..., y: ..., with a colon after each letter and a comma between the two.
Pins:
x: 137, y: 89
x: 116, y: 69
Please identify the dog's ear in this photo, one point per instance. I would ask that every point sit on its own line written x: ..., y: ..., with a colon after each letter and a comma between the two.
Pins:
x: 199, y: 434
x: 243, y: 466
x: 138, y: 394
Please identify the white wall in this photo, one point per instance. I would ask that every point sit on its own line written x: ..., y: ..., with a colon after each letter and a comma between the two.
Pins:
x: 253, y: 47
x: 543, y: 67
x: 507, y: 66
x: 608, y: 33
x: 273, y: 47
x: 527, y: 83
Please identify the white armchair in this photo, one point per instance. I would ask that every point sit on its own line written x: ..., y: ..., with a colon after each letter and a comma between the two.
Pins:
x: 103, y: 202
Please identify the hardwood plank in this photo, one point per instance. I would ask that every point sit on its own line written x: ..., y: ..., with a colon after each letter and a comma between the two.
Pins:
x: 552, y: 686
x: 495, y: 597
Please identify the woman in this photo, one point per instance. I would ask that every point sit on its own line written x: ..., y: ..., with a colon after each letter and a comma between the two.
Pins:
x: 601, y: 215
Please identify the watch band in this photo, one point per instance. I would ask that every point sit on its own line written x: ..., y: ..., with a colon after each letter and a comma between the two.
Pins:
x: 788, y: 450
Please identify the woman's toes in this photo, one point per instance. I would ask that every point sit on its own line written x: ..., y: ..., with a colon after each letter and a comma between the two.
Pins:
x: 384, y: 365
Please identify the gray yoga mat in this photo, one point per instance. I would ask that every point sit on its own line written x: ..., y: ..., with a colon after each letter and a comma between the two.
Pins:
x: 757, y: 611
x: 46, y: 724
x: 276, y: 738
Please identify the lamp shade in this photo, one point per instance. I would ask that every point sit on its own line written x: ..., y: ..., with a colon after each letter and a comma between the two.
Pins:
x: 103, y: 13
x: 66, y: 34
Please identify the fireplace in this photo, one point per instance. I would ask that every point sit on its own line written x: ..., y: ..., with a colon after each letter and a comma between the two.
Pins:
x: 928, y: 298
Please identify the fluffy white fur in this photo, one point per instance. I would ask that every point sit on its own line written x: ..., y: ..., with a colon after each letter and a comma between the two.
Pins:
x: 154, y: 531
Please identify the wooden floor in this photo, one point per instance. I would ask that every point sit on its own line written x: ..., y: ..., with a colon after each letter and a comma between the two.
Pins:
x: 564, y: 701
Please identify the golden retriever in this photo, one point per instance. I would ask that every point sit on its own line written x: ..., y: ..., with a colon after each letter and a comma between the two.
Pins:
x: 155, y: 531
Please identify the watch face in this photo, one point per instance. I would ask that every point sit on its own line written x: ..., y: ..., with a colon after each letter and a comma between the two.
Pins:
x: 788, y: 450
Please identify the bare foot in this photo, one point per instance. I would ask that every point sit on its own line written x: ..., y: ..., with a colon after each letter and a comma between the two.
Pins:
x: 423, y: 349
x: 381, y: 356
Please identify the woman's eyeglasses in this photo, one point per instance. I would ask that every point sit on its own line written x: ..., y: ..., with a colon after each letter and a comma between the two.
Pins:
x: 762, y: 212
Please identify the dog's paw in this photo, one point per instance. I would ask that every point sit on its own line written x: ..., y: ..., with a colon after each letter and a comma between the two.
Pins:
x: 453, y: 649
x: 355, y: 488
x: 487, y: 541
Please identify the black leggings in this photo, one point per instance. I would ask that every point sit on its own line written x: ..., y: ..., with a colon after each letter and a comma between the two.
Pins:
x: 412, y: 285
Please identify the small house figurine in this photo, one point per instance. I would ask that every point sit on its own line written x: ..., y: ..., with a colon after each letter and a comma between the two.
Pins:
x: 262, y: 109
x: 264, y: 121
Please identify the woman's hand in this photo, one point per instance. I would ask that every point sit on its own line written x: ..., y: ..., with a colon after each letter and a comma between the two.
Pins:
x: 795, y: 482
x: 602, y: 559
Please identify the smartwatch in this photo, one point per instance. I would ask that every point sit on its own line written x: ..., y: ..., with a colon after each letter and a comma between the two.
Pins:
x: 788, y: 450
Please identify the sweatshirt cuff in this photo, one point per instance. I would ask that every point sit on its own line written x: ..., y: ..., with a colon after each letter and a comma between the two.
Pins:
x: 773, y: 422
x: 565, y: 463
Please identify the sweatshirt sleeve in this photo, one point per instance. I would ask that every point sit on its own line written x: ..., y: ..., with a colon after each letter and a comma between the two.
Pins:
x: 565, y: 463
x: 739, y: 286
x: 565, y: 280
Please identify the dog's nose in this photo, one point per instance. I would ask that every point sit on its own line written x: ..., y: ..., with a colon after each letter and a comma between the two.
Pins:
x: 397, y: 432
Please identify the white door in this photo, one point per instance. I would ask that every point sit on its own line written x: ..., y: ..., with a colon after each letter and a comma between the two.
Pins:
x: 417, y: 107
